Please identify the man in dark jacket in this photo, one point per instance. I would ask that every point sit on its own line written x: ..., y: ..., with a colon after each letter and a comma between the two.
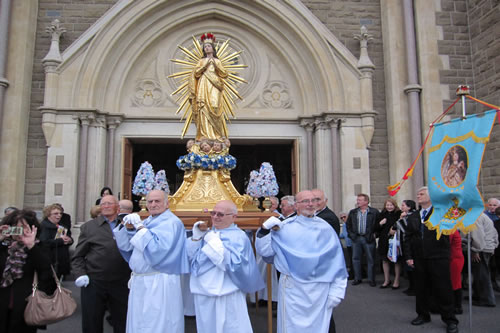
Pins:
x: 361, y: 229
x: 101, y: 271
x: 323, y: 211
x: 431, y: 259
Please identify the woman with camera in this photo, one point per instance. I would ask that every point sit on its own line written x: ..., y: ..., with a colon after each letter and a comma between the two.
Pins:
x: 20, y: 256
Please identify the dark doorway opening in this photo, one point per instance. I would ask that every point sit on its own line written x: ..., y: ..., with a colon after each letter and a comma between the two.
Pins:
x: 249, y: 156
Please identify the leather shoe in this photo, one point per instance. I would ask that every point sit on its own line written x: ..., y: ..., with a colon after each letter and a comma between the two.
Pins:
x: 372, y: 284
x: 356, y: 282
x: 478, y: 303
x: 383, y: 285
x: 420, y: 320
x: 451, y: 328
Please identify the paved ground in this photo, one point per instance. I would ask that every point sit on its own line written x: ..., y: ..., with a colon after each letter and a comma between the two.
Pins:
x: 365, y: 309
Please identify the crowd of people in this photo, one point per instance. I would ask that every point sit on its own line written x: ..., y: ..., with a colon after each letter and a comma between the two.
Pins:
x: 134, y: 268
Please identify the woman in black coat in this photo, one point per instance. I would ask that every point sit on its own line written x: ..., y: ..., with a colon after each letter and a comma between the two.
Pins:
x: 20, y: 256
x: 388, y: 217
x: 55, y: 234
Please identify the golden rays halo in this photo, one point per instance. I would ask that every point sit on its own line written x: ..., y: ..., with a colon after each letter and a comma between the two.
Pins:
x: 228, y: 58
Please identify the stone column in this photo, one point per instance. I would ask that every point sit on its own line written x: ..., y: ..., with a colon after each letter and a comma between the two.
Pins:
x: 4, y: 41
x: 323, y: 150
x: 336, y: 199
x: 308, y: 125
x: 18, y: 49
x: 110, y: 166
x: 413, y: 90
x: 82, y: 167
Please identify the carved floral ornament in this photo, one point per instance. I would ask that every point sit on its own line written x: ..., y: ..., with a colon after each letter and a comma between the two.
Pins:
x: 276, y: 95
x: 148, y: 93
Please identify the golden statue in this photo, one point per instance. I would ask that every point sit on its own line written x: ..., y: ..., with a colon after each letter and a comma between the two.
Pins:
x: 207, y: 87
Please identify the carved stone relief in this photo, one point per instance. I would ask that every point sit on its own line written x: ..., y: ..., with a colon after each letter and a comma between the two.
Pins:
x: 148, y: 93
x: 276, y: 95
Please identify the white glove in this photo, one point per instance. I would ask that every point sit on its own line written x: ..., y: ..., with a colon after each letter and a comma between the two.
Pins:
x: 133, y: 219
x: 211, y: 235
x: 332, y: 302
x: 271, y: 222
x: 197, y: 233
x: 82, y: 281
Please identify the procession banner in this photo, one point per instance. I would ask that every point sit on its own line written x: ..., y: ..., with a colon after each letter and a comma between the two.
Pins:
x: 454, y: 165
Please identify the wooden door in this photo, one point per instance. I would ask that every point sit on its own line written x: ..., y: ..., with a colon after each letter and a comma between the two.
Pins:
x: 294, y: 156
x: 127, y: 159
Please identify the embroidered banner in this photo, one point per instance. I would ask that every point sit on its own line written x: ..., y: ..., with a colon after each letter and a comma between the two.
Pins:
x: 454, y: 164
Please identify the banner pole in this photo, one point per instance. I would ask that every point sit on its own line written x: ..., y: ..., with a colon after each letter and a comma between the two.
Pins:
x: 463, y: 91
x: 469, y: 282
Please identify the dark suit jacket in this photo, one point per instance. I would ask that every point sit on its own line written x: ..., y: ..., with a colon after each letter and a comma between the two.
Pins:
x: 329, y: 216
x: 352, y: 224
x: 96, y: 253
x: 59, y: 252
x: 426, y: 246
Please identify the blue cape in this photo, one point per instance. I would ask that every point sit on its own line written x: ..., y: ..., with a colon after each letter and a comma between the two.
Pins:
x: 309, y: 250
x: 239, y: 260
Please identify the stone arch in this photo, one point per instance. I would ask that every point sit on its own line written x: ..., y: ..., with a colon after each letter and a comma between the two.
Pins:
x: 88, y: 108
x: 323, y: 71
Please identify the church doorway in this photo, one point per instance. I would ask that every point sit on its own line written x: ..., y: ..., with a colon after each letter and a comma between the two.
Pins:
x: 249, y: 153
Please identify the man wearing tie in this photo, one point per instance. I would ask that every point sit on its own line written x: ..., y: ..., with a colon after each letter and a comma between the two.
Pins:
x: 431, y: 259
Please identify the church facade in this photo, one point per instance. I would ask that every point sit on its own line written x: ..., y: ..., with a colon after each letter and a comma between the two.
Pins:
x: 350, y: 86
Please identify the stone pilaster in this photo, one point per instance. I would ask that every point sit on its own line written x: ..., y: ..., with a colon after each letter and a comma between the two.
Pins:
x: 308, y: 125
x: 82, y: 167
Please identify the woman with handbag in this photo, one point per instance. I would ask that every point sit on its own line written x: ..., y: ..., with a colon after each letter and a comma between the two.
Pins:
x: 388, y: 217
x: 55, y: 234
x: 408, y: 208
x: 20, y: 257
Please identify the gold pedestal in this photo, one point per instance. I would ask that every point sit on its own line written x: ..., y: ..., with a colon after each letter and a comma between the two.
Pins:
x: 202, y: 189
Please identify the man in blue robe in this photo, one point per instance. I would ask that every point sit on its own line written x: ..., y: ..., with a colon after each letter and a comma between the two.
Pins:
x: 223, y: 270
x: 155, y: 251
x: 308, y: 254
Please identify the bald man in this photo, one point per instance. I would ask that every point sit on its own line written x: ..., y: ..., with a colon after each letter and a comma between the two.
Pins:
x: 155, y: 251
x: 223, y: 270
x: 101, y: 271
x: 126, y: 207
x: 309, y: 288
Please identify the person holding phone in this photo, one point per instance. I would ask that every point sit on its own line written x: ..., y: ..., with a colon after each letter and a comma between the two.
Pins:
x: 20, y: 256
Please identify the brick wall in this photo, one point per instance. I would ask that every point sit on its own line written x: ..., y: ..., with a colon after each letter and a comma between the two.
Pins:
x: 344, y: 19
x: 471, y: 41
x: 484, y: 16
x: 76, y: 16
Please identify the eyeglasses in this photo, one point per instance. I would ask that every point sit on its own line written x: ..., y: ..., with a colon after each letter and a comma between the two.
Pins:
x: 307, y: 201
x: 343, y: 217
x: 219, y: 214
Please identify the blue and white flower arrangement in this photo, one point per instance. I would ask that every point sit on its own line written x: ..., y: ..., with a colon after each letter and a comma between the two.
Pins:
x: 161, y: 182
x: 263, y: 183
x: 206, y: 162
x: 144, y: 181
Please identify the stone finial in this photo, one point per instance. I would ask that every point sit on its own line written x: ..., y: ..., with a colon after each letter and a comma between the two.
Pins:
x: 53, y: 57
x: 364, y: 61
